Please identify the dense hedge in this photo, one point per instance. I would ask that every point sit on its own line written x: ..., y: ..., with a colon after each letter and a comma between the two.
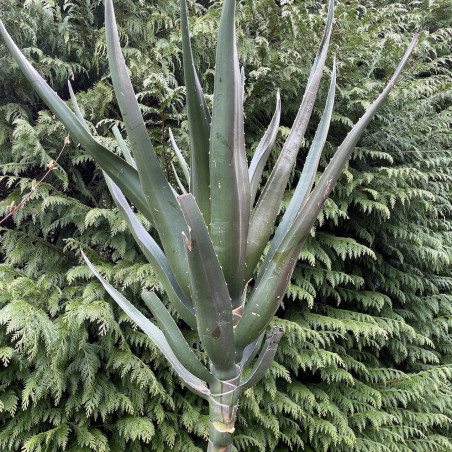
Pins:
x: 366, y: 361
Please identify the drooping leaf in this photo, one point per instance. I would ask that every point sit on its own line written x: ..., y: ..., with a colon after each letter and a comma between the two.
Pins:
x: 155, y: 334
x: 155, y: 256
x: 175, y: 337
x: 122, y: 173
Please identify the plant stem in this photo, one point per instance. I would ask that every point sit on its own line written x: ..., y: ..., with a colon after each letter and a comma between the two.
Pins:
x: 223, y: 410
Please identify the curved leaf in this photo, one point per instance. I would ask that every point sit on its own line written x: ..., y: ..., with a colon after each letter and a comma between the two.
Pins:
x: 264, y: 361
x: 168, y: 218
x: 154, y: 333
x: 122, y: 173
x: 251, y: 350
x: 179, y: 182
x: 155, y: 257
x: 175, y: 338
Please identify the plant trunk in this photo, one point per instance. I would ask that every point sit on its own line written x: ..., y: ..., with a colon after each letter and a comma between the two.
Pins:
x: 222, y: 412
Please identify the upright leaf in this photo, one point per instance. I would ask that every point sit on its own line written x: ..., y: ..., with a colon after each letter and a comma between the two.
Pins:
x: 209, y: 292
x: 307, y: 177
x: 198, y: 122
x: 168, y: 218
x: 78, y: 113
x: 122, y: 144
x: 309, y: 212
x: 267, y: 207
x: 263, y: 150
x: 229, y: 182
x: 272, y: 282
x: 180, y: 157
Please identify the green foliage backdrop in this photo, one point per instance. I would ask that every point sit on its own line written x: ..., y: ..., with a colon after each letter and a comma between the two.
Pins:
x: 366, y: 361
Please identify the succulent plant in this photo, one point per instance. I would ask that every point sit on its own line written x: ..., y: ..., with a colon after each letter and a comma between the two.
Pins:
x: 214, y: 236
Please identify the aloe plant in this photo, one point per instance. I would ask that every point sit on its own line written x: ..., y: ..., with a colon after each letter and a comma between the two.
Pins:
x: 214, y: 235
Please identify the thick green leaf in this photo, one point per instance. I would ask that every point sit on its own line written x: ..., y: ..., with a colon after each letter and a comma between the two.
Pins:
x: 180, y: 158
x: 155, y: 256
x: 209, y: 292
x: 307, y: 177
x: 267, y: 208
x: 175, y: 338
x: 168, y: 218
x: 198, y: 122
x: 122, y: 173
x: 229, y: 181
x: 302, y: 224
x: 263, y: 150
x: 264, y: 360
x: 155, y: 334
x: 266, y: 298
x: 267, y: 294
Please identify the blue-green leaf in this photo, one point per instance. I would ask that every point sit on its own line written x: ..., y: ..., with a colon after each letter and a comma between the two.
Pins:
x: 175, y: 337
x: 166, y: 214
x: 78, y: 113
x: 209, y: 292
x: 122, y: 173
x: 264, y: 360
x: 263, y: 150
x: 155, y: 256
x: 155, y: 334
x: 123, y: 146
x: 307, y: 177
x: 267, y: 294
x: 180, y: 158
x: 267, y: 208
x: 179, y: 182
x: 229, y: 181
x: 198, y: 122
